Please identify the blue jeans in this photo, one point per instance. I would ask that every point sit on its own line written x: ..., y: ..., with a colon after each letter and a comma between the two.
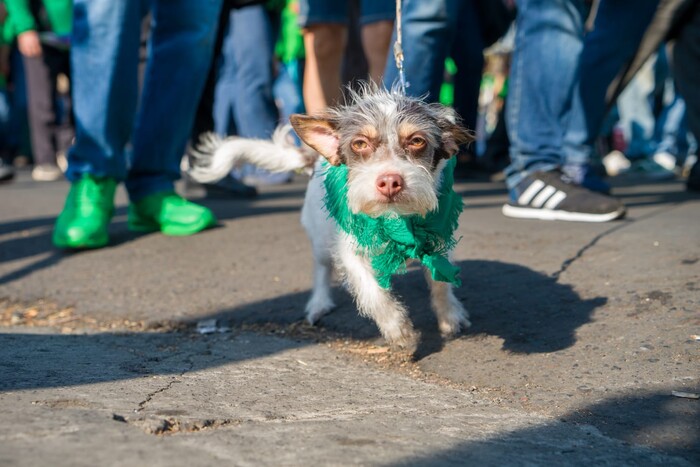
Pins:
x: 468, y: 54
x: 18, y: 129
x: 637, y: 119
x: 104, y: 59
x: 428, y: 32
x: 556, y: 101
x: 243, y: 101
x: 671, y: 131
x: 287, y: 90
x: 5, y: 115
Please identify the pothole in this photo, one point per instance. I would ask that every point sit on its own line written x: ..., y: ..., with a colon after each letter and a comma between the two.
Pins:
x: 173, y: 425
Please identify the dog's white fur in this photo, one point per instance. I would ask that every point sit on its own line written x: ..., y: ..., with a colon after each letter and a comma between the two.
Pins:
x: 337, y: 251
x: 221, y: 155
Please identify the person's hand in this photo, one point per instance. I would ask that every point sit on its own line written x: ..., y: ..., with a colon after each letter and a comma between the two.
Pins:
x: 29, y: 44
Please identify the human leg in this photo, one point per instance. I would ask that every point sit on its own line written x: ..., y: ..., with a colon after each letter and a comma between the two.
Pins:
x: 65, y: 129
x: 104, y: 59
x: 6, y: 170
x: 618, y: 29
x: 428, y: 29
x: 541, y: 106
x: 251, y: 45
x: 287, y: 90
x: 377, y: 25
x: 182, y: 43
x: 549, y: 37
x: 686, y: 62
x: 376, y: 38
x: 181, y: 47
x: 468, y: 54
x: 41, y: 78
x: 324, y: 25
x: 324, y: 44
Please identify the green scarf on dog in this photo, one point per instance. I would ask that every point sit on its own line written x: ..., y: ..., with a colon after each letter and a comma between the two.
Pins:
x: 392, y: 240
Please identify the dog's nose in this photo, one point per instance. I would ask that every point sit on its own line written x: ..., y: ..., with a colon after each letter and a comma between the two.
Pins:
x: 390, y: 185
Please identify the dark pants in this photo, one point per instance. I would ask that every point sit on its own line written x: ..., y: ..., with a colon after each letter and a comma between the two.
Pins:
x: 50, y: 123
x: 686, y: 61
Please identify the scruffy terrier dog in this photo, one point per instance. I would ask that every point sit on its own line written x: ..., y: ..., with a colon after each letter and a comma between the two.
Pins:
x: 381, y: 196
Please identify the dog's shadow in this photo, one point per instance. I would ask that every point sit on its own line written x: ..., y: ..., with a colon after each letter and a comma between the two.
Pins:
x: 530, y: 311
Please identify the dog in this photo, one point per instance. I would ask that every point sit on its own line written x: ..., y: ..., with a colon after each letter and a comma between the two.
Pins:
x: 389, y: 156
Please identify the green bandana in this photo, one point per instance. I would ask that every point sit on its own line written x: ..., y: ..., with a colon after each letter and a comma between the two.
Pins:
x: 391, y: 240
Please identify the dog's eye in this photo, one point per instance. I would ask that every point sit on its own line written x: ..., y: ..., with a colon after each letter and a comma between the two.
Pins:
x: 417, y: 142
x: 359, y: 145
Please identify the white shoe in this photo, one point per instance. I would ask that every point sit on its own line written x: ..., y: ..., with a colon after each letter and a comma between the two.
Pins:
x: 62, y: 161
x: 688, y: 164
x: 46, y: 173
x: 616, y: 162
x: 665, y: 160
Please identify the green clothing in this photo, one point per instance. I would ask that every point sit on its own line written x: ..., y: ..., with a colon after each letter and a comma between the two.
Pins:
x: 290, y: 45
x: 32, y: 15
x: 392, y: 240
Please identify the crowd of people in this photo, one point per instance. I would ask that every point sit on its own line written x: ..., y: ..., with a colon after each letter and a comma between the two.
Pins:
x: 562, y: 93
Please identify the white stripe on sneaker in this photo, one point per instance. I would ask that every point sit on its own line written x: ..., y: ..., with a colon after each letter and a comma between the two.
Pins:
x: 524, y: 212
x: 543, y: 196
x: 554, y: 201
x: 530, y: 192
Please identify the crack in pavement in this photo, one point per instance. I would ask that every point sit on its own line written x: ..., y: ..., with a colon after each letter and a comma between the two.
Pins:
x: 151, y: 395
x: 579, y: 254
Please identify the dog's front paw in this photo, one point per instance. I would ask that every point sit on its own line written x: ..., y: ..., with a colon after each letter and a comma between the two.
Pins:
x: 317, y: 307
x: 404, y: 340
x: 454, y: 321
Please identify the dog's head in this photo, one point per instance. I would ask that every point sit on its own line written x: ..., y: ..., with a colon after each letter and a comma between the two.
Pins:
x: 395, y: 148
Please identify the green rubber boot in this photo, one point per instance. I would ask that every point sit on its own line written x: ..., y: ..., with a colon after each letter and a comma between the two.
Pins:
x: 89, y: 208
x: 169, y: 213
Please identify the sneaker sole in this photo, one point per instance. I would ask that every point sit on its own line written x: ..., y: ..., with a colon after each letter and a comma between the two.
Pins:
x: 85, y: 244
x: 518, y: 212
x: 44, y: 177
x: 172, y: 231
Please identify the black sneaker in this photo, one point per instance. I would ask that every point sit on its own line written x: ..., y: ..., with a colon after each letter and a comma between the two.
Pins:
x: 7, y: 172
x: 229, y: 188
x: 552, y: 196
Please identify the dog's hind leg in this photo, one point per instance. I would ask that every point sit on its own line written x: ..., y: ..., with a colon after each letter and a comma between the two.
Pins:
x: 321, y: 232
x: 450, y: 313
x: 321, y: 301
x: 375, y: 302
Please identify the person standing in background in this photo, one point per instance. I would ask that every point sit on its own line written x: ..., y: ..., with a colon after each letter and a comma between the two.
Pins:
x: 325, y: 36
x: 109, y: 129
x: 42, y: 30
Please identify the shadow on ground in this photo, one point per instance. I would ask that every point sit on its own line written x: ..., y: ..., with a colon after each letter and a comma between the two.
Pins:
x: 36, y: 233
x: 531, y: 312
x: 667, y: 424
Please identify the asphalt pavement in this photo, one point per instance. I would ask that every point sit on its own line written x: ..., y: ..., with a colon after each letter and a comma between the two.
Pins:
x: 192, y: 351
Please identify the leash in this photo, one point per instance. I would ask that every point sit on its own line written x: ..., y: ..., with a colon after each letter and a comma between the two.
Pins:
x: 398, y: 53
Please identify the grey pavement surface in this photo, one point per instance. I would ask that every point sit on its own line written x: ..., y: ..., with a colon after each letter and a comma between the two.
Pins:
x: 581, y: 332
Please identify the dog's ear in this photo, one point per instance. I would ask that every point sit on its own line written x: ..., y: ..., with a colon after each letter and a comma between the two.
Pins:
x: 453, y: 133
x: 320, y: 133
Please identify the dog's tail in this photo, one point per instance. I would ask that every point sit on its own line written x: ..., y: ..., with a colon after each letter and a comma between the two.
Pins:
x: 214, y: 157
